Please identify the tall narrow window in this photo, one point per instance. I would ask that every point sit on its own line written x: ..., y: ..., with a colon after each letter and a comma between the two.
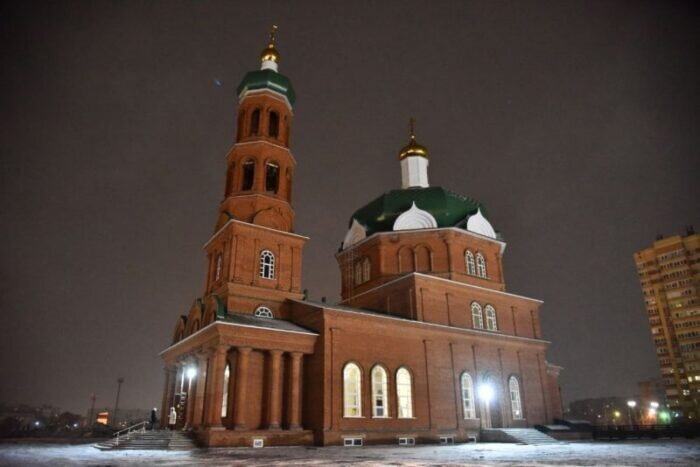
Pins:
x: 267, y: 265
x: 477, y: 316
x: 229, y: 179
x: 255, y: 122
x: 379, y: 394
x: 480, y: 265
x: 274, y: 126
x: 515, y: 404
x: 219, y: 267
x: 366, y: 269
x: 357, y: 273
x: 272, y: 177
x: 491, y: 323
x: 404, y: 394
x: 471, y: 265
x: 224, y: 397
x: 468, y: 405
x: 352, y: 395
x: 248, y: 175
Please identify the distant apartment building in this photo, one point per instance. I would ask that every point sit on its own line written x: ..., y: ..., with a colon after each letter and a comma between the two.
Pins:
x: 669, y: 273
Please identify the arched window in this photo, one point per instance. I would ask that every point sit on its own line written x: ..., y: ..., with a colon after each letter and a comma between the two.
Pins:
x: 405, y: 260
x: 471, y: 265
x: 380, y: 408
x: 358, y: 273
x: 468, y: 405
x: 422, y: 258
x: 263, y: 312
x: 480, y: 265
x: 491, y: 323
x: 255, y: 122
x: 248, y: 175
x: 219, y: 267
x: 229, y: 179
x: 352, y: 391
x: 272, y: 177
x: 366, y: 269
x: 515, y: 404
x: 224, y: 397
x: 477, y: 316
x: 404, y: 394
x: 274, y: 125
x: 267, y: 264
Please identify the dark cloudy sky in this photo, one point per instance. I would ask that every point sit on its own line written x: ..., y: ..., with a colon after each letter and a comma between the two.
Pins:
x: 576, y: 123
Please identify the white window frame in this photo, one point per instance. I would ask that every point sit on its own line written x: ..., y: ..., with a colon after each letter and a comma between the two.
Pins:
x: 366, y: 270
x: 468, y: 400
x: 380, y: 406
x: 404, y: 393
x: 477, y: 316
x: 516, y: 405
x: 263, y: 312
x: 491, y: 320
x: 352, y: 391
x: 469, y: 260
x: 267, y: 264
x: 481, y: 265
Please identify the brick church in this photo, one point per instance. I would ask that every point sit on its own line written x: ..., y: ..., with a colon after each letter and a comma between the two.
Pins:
x: 425, y: 345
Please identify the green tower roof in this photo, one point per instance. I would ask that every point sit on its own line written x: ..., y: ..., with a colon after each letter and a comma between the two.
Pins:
x: 268, y: 79
x: 448, y: 208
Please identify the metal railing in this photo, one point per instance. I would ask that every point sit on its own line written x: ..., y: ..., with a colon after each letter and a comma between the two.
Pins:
x: 126, y: 432
x: 611, y: 432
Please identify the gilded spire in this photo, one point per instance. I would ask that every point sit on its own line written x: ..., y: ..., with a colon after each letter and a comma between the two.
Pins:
x: 413, y: 148
x: 270, y: 53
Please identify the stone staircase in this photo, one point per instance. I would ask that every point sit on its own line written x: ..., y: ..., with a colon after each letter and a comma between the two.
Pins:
x: 150, y: 440
x: 517, y: 435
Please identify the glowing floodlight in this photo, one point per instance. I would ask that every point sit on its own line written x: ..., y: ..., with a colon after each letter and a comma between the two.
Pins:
x: 486, y: 392
x: 654, y: 405
x: 631, y: 404
x: 191, y: 372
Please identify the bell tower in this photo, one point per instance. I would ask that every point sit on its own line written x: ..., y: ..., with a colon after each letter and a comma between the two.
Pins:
x: 254, y: 255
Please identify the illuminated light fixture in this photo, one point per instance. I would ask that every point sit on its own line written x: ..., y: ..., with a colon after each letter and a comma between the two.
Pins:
x: 486, y: 392
x: 617, y: 414
x: 652, y: 411
x: 654, y: 405
x: 631, y: 404
x: 191, y: 372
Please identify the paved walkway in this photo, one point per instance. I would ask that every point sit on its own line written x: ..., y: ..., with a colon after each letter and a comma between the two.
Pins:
x: 623, y: 453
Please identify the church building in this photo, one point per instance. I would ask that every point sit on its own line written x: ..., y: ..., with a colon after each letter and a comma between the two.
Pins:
x: 425, y: 346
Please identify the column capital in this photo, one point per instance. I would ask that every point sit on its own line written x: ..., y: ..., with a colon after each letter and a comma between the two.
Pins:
x: 244, y: 349
x: 296, y: 355
x: 275, y: 352
x: 221, y: 349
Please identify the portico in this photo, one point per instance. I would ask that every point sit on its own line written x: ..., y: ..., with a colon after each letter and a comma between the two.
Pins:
x: 240, y: 377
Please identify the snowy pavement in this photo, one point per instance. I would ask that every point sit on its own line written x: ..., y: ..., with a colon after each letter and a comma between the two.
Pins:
x: 620, y: 453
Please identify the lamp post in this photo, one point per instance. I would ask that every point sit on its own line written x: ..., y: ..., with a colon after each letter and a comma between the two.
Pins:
x: 120, y: 380
x: 91, y: 414
x: 630, y: 406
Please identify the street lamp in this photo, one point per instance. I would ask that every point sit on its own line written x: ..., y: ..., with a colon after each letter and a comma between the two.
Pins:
x: 630, y: 406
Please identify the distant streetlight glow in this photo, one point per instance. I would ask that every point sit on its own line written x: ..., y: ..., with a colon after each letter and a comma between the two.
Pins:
x: 486, y: 392
x: 654, y: 405
x: 631, y: 404
x: 652, y: 412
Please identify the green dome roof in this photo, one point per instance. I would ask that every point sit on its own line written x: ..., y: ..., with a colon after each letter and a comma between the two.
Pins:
x: 267, y: 79
x: 449, y: 209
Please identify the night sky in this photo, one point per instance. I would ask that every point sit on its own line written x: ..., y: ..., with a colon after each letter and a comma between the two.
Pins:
x: 575, y: 123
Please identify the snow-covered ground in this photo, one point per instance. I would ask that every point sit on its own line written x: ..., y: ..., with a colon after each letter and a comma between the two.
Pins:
x: 620, y: 453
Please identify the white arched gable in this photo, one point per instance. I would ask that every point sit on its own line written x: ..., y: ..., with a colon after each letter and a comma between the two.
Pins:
x: 356, y: 234
x: 415, y: 218
x: 478, y: 224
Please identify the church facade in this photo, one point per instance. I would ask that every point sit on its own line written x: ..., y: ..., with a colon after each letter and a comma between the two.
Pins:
x: 425, y: 345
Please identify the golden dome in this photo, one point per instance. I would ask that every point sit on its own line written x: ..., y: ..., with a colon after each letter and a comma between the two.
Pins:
x: 413, y: 148
x: 270, y: 53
